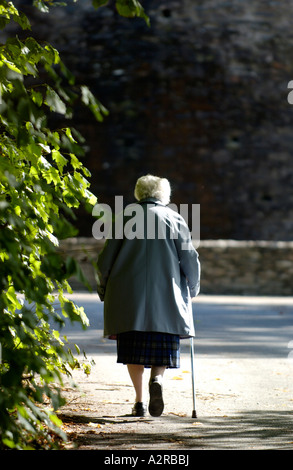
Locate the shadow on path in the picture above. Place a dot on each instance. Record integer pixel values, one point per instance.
(255, 430)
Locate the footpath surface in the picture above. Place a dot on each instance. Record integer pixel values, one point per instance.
(243, 374)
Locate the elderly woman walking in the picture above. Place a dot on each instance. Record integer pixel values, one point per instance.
(146, 280)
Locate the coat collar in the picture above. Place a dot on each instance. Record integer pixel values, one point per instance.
(150, 200)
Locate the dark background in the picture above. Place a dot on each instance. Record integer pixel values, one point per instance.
(200, 98)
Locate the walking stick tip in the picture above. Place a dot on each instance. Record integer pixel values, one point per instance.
(194, 415)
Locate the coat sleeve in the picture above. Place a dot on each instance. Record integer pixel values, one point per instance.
(105, 262)
(188, 258)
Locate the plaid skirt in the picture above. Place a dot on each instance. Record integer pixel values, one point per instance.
(149, 349)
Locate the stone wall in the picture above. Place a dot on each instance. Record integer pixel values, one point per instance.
(229, 267)
(199, 97)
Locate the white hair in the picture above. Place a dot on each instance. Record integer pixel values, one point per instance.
(153, 186)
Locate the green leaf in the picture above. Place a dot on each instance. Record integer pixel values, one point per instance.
(52, 176)
(11, 295)
(9, 64)
(41, 6)
(54, 101)
(131, 8)
(94, 105)
(37, 97)
(59, 159)
(51, 54)
(3, 22)
(55, 420)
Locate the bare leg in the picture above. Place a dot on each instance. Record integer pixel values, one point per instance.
(136, 374)
(157, 370)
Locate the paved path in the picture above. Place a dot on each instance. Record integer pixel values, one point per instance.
(243, 382)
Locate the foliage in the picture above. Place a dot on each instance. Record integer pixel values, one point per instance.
(42, 181)
(128, 8)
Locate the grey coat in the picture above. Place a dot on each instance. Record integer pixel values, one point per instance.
(147, 283)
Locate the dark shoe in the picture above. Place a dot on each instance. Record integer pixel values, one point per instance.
(139, 409)
(156, 404)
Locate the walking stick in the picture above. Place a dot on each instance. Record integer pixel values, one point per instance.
(192, 376)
